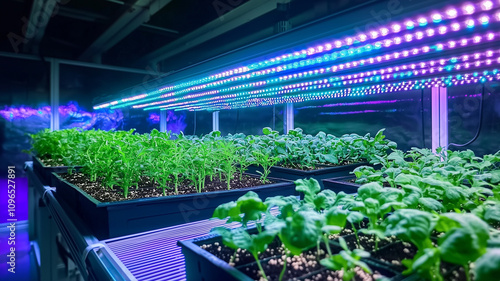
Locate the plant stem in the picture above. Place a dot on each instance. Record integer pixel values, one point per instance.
(356, 234)
(232, 257)
(260, 266)
(284, 267)
(467, 271)
(327, 244)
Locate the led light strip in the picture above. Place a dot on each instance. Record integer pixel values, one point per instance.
(405, 86)
(409, 37)
(304, 89)
(374, 76)
(451, 44)
(449, 14)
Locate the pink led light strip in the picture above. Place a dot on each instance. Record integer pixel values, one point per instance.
(467, 9)
(422, 68)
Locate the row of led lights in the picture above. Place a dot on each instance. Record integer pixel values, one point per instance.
(418, 35)
(407, 70)
(374, 60)
(405, 86)
(306, 63)
(451, 13)
(267, 93)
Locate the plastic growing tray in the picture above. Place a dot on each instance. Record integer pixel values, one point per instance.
(325, 172)
(45, 173)
(113, 219)
(203, 266)
(340, 184)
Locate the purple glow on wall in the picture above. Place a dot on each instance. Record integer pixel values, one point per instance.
(71, 116)
(356, 112)
(175, 122)
(154, 118)
(23, 112)
(353, 103)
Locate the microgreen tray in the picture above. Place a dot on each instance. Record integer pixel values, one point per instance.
(114, 219)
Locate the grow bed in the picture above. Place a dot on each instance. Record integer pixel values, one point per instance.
(117, 218)
(321, 172)
(207, 259)
(45, 172)
(345, 184)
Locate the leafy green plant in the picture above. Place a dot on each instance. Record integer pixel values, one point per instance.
(374, 202)
(416, 227)
(347, 261)
(266, 162)
(465, 239)
(486, 267)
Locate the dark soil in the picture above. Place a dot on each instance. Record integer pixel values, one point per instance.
(146, 188)
(350, 180)
(329, 275)
(306, 266)
(368, 242)
(52, 162)
(242, 256)
(317, 167)
(394, 253)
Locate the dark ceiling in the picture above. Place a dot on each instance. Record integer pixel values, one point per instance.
(137, 33)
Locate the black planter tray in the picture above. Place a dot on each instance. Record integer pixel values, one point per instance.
(325, 172)
(203, 266)
(340, 184)
(45, 173)
(114, 219)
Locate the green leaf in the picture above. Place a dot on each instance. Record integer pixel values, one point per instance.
(431, 204)
(487, 267)
(301, 231)
(355, 217)
(227, 237)
(251, 206)
(229, 209)
(465, 237)
(325, 199)
(336, 217)
(267, 131)
(370, 190)
(310, 187)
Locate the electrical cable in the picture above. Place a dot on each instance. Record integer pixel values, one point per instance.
(478, 127)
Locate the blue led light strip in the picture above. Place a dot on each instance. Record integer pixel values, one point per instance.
(350, 92)
(421, 22)
(320, 72)
(429, 68)
(407, 38)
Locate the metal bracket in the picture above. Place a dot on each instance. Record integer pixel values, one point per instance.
(47, 188)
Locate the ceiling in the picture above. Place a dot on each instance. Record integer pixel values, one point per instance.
(171, 34)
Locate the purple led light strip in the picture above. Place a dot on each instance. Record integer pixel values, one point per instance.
(353, 79)
(374, 89)
(451, 44)
(374, 34)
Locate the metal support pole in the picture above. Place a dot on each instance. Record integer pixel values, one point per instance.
(54, 94)
(439, 108)
(215, 121)
(288, 124)
(163, 121)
